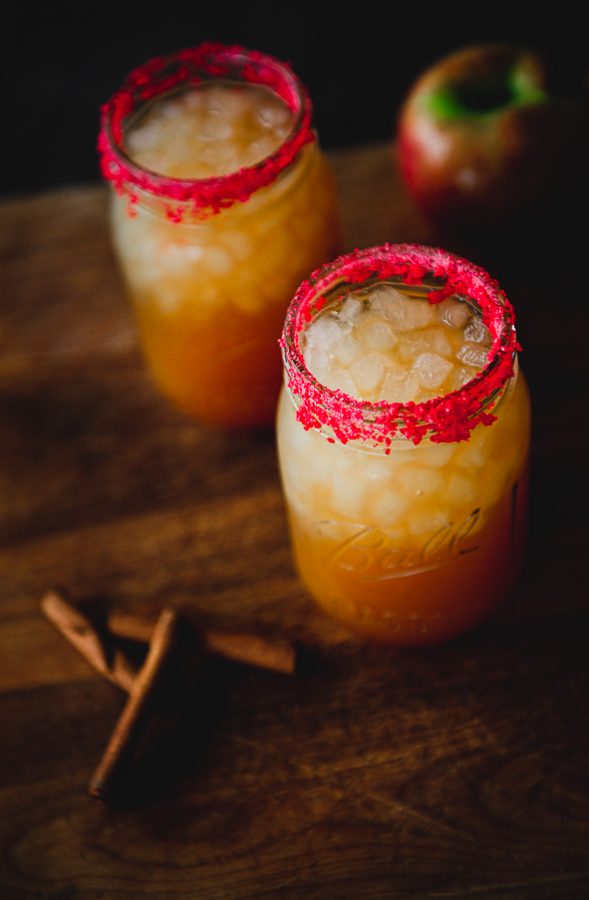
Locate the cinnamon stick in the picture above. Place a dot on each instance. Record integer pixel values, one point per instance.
(79, 631)
(278, 655)
(133, 626)
(126, 729)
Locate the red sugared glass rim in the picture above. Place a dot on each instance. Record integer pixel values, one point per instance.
(450, 417)
(196, 65)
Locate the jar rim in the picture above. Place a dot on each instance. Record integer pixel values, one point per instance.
(194, 65)
(448, 418)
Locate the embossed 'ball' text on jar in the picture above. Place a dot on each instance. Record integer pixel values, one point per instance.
(222, 203)
(407, 518)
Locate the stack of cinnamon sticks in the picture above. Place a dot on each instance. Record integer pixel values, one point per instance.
(105, 652)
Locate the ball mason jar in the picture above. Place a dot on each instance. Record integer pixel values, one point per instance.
(211, 263)
(407, 519)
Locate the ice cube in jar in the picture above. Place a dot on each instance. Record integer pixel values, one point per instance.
(397, 347)
(209, 130)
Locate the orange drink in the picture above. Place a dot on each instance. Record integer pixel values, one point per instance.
(222, 202)
(403, 436)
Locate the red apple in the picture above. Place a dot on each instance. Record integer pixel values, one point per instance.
(482, 139)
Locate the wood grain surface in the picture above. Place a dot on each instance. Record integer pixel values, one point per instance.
(447, 773)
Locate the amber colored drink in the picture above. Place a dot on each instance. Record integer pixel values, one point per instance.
(223, 202)
(405, 542)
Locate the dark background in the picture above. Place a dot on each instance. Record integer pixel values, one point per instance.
(358, 62)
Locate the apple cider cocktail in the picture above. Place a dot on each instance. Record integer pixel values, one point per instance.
(403, 433)
(222, 203)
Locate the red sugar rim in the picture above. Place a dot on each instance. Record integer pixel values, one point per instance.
(450, 417)
(194, 65)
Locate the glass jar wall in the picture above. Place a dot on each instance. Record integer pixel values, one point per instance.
(215, 229)
(407, 519)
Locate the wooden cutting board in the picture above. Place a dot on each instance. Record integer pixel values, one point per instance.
(454, 772)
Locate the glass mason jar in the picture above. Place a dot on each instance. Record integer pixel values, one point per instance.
(407, 519)
(211, 262)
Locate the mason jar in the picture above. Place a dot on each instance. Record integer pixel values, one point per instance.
(407, 518)
(221, 202)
